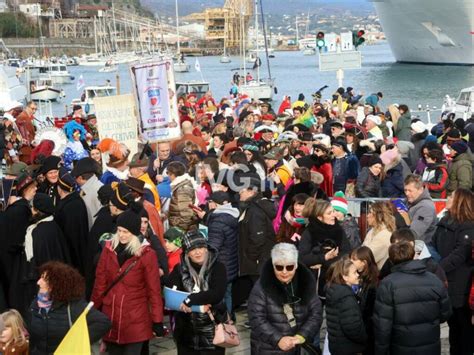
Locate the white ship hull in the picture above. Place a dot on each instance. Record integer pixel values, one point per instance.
(258, 90)
(429, 31)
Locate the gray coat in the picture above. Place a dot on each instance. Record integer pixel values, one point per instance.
(422, 214)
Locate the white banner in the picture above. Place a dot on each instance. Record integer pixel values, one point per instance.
(155, 92)
(116, 119)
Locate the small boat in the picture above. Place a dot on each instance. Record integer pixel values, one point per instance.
(57, 72)
(43, 90)
(258, 90)
(192, 87)
(91, 92)
(10, 87)
(309, 51)
(181, 67)
(109, 67)
(225, 59)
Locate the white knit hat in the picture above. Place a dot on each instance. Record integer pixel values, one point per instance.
(374, 119)
(418, 127)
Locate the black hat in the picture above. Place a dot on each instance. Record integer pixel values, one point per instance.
(307, 137)
(66, 181)
(139, 160)
(336, 124)
(23, 181)
(250, 180)
(131, 221)
(43, 203)
(341, 143)
(50, 163)
(104, 194)
(136, 185)
(375, 159)
(454, 133)
(349, 89)
(84, 166)
(219, 197)
(122, 196)
(340, 90)
(301, 97)
(76, 107)
(459, 147)
(192, 240)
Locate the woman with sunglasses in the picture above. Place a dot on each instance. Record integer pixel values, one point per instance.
(284, 311)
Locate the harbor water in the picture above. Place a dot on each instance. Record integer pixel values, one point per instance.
(295, 73)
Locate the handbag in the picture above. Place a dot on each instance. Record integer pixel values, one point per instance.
(225, 334)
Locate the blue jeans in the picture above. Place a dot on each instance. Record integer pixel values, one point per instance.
(228, 298)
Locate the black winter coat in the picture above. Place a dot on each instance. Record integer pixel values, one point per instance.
(316, 235)
(223, 235)
(346, 330)
(410, 305)
(196, 330)
(392, 185)
(453, 242)
(47, 330)
(256, 234)
(48, 244)
(368, 185)
(71, 216)
(267, 319)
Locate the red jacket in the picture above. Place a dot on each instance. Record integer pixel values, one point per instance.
(134, 303)
(174, 258)
(327, 184)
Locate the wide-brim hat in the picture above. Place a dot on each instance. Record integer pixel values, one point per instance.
(85, 166)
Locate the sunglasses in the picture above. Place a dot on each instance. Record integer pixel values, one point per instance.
(288, 268)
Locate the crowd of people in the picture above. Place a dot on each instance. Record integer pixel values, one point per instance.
(334, 205)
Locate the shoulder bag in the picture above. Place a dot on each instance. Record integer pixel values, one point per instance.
(225, 335)
(119, 278)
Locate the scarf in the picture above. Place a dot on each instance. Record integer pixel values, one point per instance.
(121, 175)
(195, 282)
(44, 301)
(295, 221)
(29, 237)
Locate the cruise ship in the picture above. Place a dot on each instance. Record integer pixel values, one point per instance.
(429, 31)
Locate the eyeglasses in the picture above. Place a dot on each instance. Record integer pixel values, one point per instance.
(288, 268)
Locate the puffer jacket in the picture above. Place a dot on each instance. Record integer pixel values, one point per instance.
(392, 185)
(409, 307)
(267, 318)
(346, 330)
(134, 303)
(460, 172)
(182, 195)
(223, 235)
(453, 241)
(368, 185)
(435, 178)
(48, 330)
(423, 218)
(256, 234)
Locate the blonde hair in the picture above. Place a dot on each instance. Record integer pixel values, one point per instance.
(12, 319)
(383, 216)
(134, 247)
(315, 208)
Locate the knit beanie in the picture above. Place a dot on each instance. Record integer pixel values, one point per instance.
(131, 221)
(175, 235)
(192, 240)
(339, 202)
(375, 159)
(459, 147)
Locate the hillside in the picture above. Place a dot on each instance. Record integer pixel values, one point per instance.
(278, 7)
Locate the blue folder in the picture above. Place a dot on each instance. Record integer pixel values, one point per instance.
(174, 298)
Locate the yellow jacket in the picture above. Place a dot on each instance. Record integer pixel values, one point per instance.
(151, 186)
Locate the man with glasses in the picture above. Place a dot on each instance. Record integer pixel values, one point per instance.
(24, 122)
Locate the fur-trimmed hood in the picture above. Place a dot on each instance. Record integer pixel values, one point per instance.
(303, 282)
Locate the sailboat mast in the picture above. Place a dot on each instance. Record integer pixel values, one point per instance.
(244, 39)
(256, 41)
(177, 26)
(265, 41)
